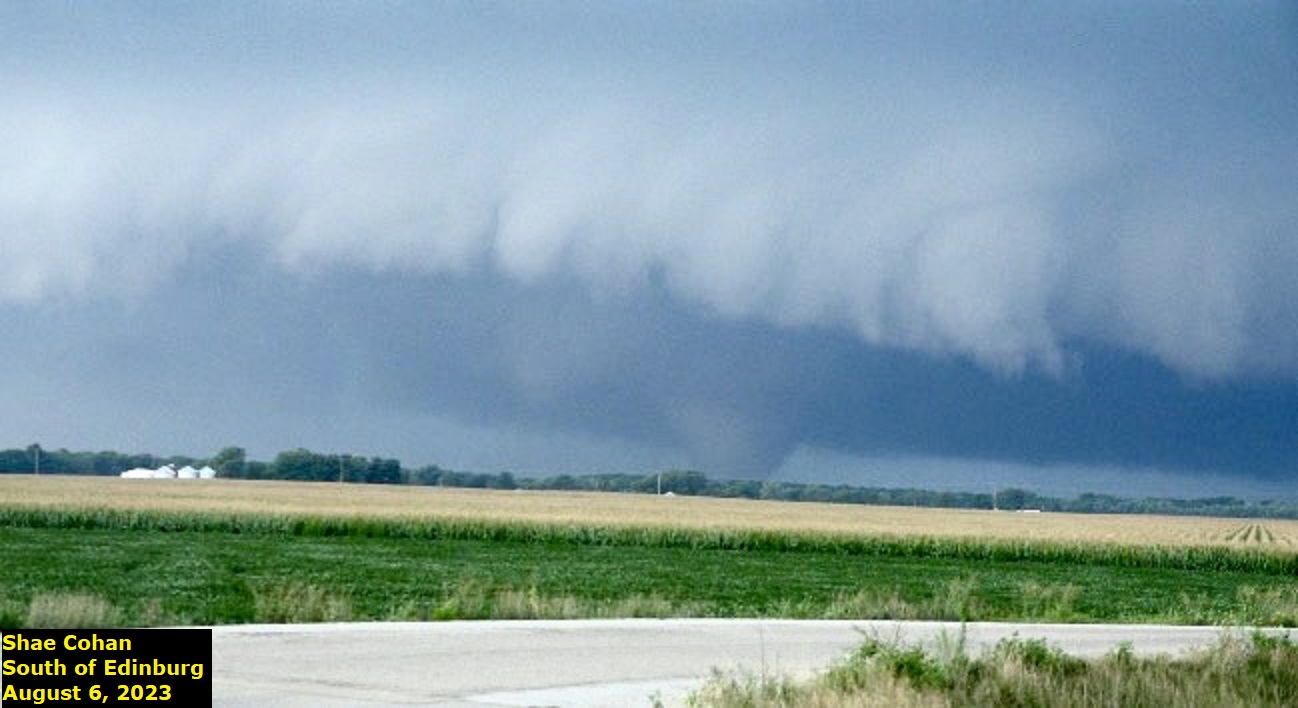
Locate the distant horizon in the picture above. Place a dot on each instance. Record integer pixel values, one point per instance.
(897, 473)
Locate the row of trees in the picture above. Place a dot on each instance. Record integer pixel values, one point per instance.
(301, 465)
(34, 459)
(305, 465)
(689, 482)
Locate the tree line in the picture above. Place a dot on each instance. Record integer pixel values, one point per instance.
(299, 465)
(305, 465)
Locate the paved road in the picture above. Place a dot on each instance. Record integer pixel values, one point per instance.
(580, 663)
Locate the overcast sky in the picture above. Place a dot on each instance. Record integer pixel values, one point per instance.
(949, 244)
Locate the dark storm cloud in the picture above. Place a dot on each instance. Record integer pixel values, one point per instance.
(237, 352)
(1004, 233)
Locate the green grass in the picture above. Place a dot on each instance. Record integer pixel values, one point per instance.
(1261, 671)
(158, 569)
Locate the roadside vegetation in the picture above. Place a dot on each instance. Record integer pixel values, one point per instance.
(1239, 671)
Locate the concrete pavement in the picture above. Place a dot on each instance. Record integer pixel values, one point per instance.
(582, 663)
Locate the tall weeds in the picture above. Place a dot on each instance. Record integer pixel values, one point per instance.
(1261, 671)
(70, 610)
(297, 602)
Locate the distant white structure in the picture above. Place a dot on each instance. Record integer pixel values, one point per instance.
(169, 472)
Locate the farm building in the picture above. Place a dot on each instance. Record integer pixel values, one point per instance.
(169, 472)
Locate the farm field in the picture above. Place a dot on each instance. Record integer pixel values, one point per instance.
(634, 510)
(141, 552)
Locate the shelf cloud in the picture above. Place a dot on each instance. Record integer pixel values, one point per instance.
(1014, 189)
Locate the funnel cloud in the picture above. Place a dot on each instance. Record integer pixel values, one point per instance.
(578, 239)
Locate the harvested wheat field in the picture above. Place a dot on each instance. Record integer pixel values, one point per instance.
(227, 497)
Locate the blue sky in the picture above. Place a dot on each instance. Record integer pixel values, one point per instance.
(969, 245)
